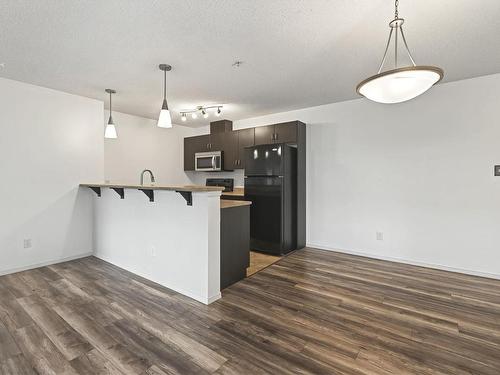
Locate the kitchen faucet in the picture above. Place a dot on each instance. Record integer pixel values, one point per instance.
(142, 176)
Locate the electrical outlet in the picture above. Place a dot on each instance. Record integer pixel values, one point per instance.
(497, 170)
(380, 236)
(27, 243)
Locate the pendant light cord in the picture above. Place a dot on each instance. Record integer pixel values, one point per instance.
(110, 105)
(164, 85)
(396, 13)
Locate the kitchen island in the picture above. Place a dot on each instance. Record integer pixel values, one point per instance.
(167, 234)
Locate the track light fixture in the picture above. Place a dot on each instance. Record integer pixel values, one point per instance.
(204, 110)
(110, 131)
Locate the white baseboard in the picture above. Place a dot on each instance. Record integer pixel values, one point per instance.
(406, 261)
(214, 298)
(46, 263)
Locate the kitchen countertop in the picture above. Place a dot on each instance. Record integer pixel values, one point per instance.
(190, 188)
(224, 203)
(237, 191)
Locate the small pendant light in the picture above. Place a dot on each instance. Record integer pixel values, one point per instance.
(110, 131)
(165, 121)
(399, 84)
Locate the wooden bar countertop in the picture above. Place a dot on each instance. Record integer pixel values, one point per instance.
(225, 203)
(237, 192)
(191, 188)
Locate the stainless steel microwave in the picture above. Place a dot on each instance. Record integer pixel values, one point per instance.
(208, 161)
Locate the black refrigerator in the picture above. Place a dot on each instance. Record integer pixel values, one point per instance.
(271, 186)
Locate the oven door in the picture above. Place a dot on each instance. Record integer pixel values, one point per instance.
(208, 161)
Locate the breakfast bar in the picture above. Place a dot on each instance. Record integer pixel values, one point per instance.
(167, 234)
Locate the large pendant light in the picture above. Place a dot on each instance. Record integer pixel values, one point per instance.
(165, 121)
(401, 83)
(110, 131)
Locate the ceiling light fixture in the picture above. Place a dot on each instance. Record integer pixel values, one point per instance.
(204, 110)
(399, 84)
(110, 131)
(165, 121)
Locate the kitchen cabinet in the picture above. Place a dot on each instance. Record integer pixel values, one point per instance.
(285, 132)
(230, 148)
(264, 135)
(233, 142)
(246, 138)
(279, 133)
(234, 244)
(193, 145)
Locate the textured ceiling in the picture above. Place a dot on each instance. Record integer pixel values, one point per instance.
(296, 53)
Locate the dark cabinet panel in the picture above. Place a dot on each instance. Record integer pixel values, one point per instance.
(286, 132)
(217, 142)
(264, 135)
(279, 133)
(246, 138)
(230, 148)
(234, 244)
(193, 145)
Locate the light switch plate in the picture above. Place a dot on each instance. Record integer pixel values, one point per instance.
(497, 170)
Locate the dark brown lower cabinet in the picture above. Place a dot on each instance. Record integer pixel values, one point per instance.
(234, 244)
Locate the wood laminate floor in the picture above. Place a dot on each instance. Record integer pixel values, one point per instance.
(259, 261)
(313, 312)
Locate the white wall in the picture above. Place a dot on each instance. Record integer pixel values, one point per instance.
(421, 172)
(142, 145)
(50, 142)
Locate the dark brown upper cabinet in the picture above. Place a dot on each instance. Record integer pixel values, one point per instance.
(193, 145)
(264, 135)
(285, 132)
(230, 150)
(233, 142)
(246, 138)
(226, 142)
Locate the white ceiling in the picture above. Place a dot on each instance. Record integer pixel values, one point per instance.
(296, 53)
